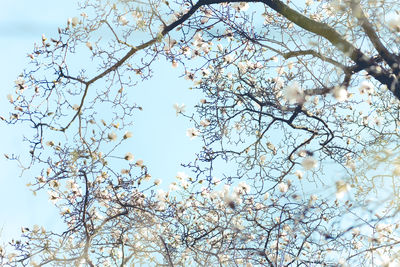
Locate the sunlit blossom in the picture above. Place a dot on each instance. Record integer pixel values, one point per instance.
(309, 163)
(294, 93)
(179, 108)
(341, 189)
(112, 136)
(192, 133)
(283, 187)
(340, 93)
(129, 156)
(127, 135)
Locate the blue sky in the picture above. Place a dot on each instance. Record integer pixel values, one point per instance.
(159, 136)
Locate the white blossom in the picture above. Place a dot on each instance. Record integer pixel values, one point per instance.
(129, 156)
(309, 163)
(179, 108)
(112, 136)
(340, 93)
(294, 93)
(192, 133)
(283, 187)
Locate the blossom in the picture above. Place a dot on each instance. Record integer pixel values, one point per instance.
(161, 195)
(129, 156)
(71, 185)
(74, 21)
(157, 181)
(283, 187)
(139, 163)
(192, 133)
(19, 81)
(89, 45)
(205, 123)
(309, 163)
(242, 188)
(10, 98)
(262, 159)
(242, 6)
(123, 20)
(173, 187)
(299, 174)
(228, 58)
(366, 87)
(112, 136)
(294, 93)
(242, 67)
(181, 176)
(127, 135)
(53, 196)
(340, 93)
(341, 189)
(179, 108)
(394, 23)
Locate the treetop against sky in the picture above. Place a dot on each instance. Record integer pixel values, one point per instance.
(289, 141)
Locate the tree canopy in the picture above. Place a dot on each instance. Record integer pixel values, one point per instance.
(293, 94)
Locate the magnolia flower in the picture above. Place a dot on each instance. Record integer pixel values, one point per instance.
(341, 189)
(181, 176)
(309, 163)
(127, 135)
(74, 21)
(89, 45)
(366, 87)
(19, 81)
(192, 133)
(123, 20)
(299, 174)
(242, 67)
(174, 63)
(10, 98)
(173, 187)
(271, 147)
(294, 93)
(266, 196)
(394, 23)
(139, 163)
(161, 195)
(112, 136)
(124, 171)
(205, 123)
(54, 183)
(71, 185)
(242, 6)
(228, 58)
(262, 159)
(129, 156)
(283, 187)
(179, 108)
(157, 181)
(340, 93)
(53, 196)
(313, 198)
(245, 187)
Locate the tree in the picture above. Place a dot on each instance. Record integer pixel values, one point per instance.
(292, 93)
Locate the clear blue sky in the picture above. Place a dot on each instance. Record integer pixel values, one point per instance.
(22, 23)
